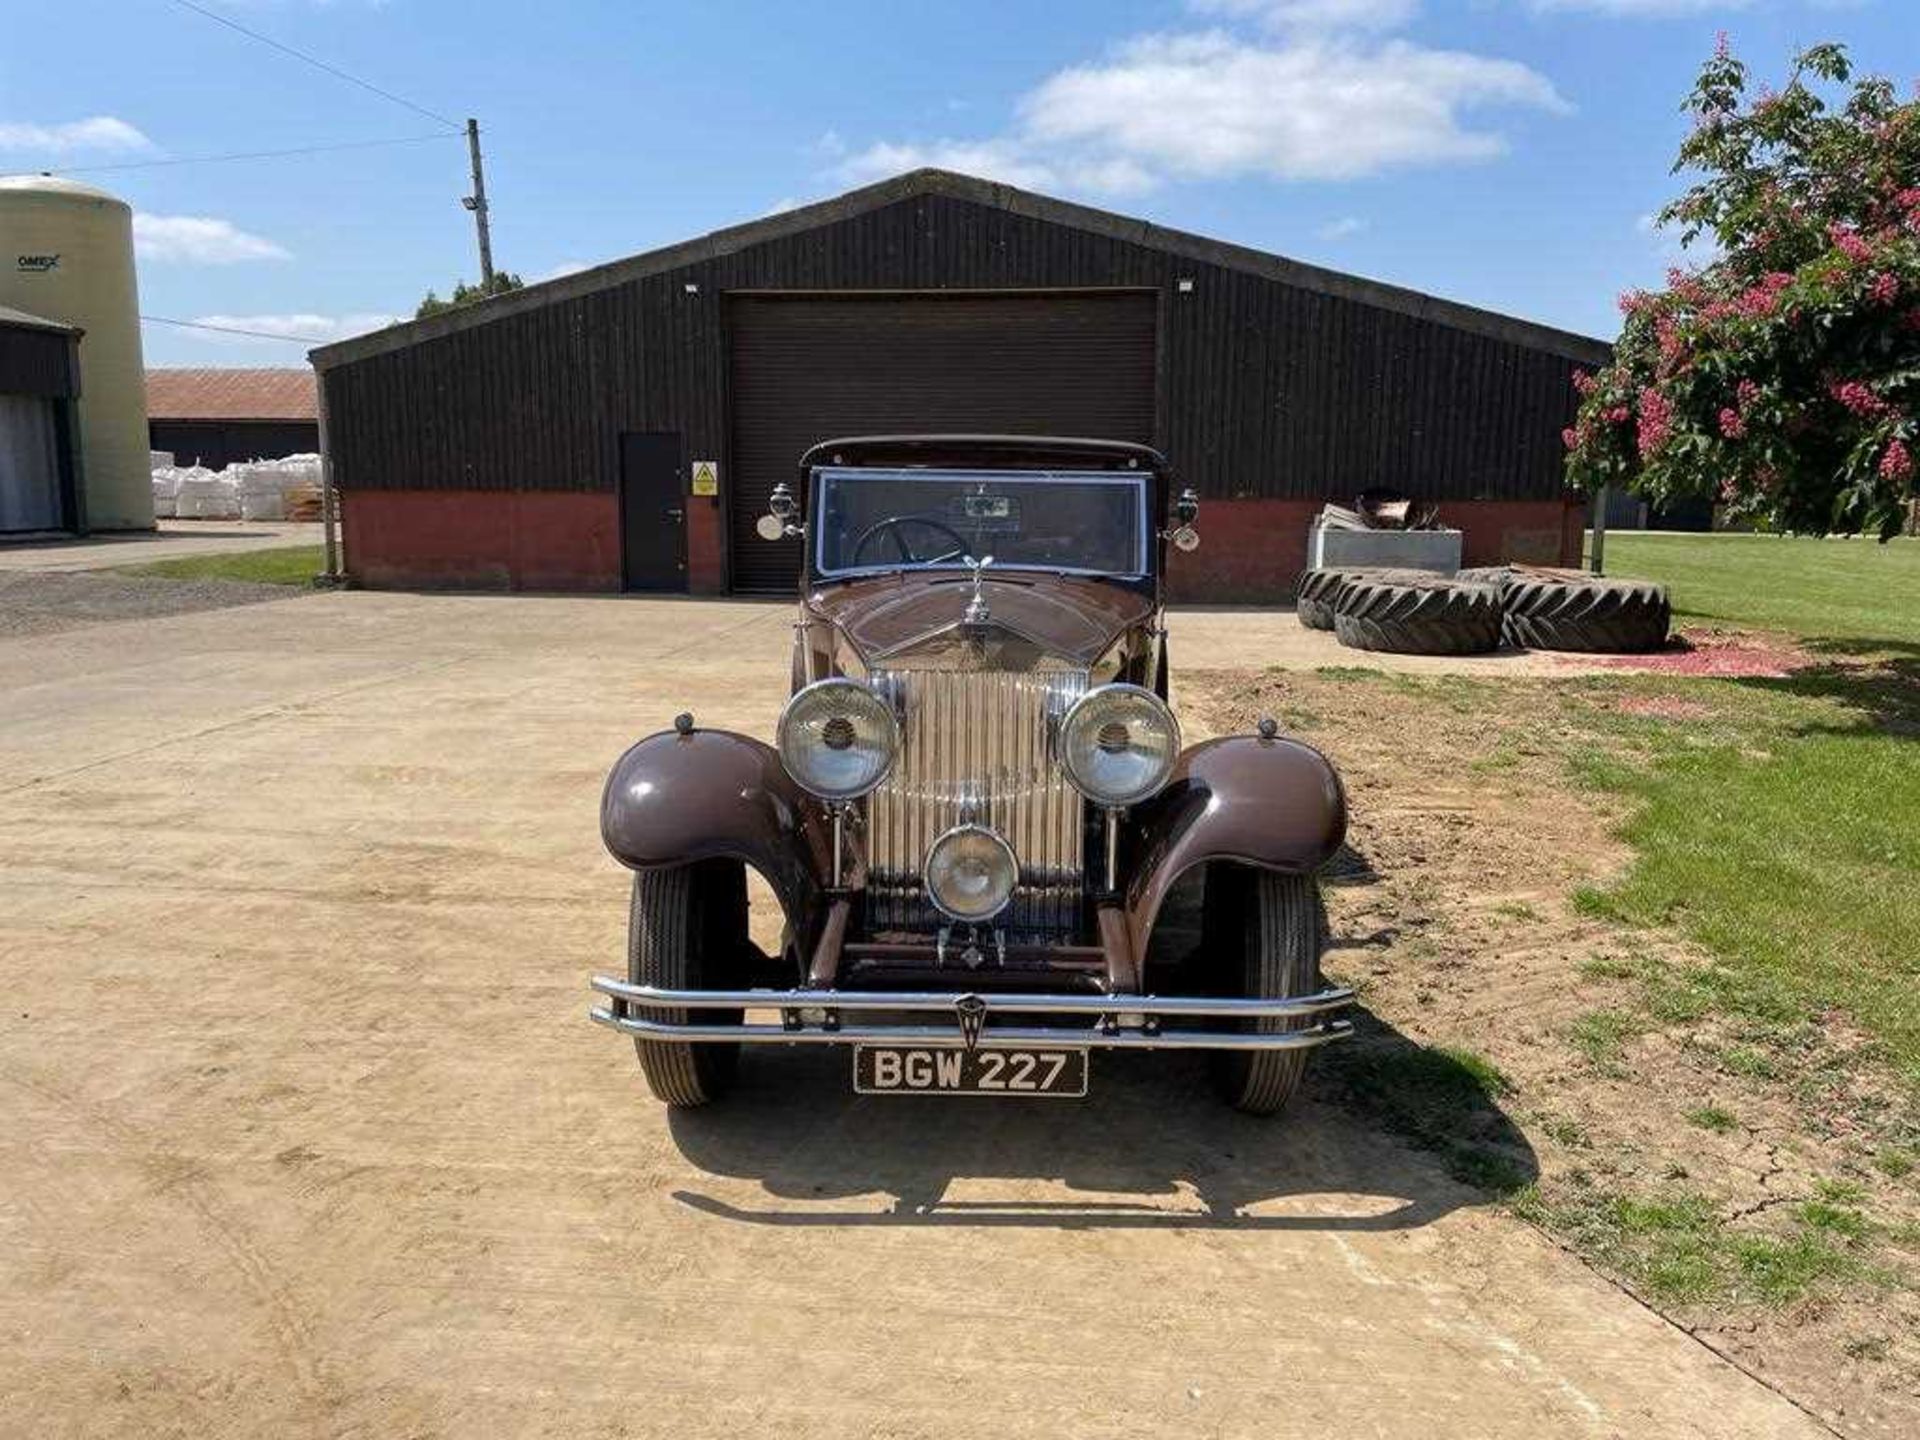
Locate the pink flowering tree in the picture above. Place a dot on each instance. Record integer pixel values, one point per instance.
(1782, 376)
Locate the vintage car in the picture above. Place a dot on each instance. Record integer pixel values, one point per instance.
(978, 806)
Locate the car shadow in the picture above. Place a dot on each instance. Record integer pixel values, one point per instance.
(1149, 1148)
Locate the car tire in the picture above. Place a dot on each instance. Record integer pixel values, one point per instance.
(687, 928)
(1418, 615)
(1314, 595)
(1267, 933)
(1589, 614)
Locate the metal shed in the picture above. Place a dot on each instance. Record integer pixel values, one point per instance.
(548, 438)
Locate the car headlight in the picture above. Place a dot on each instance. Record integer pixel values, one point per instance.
(1118, 744)
(971, 873)
(838, 739)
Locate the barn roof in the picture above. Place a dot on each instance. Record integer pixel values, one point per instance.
(213, 394)
(916, 183)
(14, 319)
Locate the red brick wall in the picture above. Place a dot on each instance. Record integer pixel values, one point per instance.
(482, 539)
(1251, 551)
(706, 545)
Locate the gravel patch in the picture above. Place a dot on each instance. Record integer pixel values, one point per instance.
(47, 603)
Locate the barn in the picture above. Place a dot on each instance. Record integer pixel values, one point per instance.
(40, 478)
(222, 417)
(621, 428)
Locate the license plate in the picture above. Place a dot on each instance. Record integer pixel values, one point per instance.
(903, 1070)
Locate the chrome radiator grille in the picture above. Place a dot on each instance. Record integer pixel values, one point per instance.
(975, 747)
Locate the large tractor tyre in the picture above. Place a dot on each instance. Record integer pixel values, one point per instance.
(1503, 577)
(1418, 615)
(1615, 617)
(1265, 933)
(687, 930)
(1498, 576)
(1313, 597)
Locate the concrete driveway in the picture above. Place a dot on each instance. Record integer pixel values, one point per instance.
(172, 540)
(303, 1130)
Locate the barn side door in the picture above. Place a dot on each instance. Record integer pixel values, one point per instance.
(653, 513)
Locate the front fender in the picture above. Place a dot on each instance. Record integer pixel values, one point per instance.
(1276, 804)
(675, 798)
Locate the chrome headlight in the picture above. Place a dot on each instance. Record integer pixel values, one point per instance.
(971, 873)
(1118, 744)
(838, 739)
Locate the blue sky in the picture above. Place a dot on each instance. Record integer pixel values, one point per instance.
(1500, 152)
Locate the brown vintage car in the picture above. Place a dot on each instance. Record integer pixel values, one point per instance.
(978, 810)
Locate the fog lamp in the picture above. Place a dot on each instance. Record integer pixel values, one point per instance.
(971, 873)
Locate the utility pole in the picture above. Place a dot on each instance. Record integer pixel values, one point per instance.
(477, 203)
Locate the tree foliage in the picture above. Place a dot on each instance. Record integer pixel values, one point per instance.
(465, 294)
(1781, 376)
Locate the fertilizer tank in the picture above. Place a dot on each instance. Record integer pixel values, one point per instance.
(66, 253)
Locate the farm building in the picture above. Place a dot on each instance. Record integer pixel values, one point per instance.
(39, 390)
(218, 418)
(622, 428)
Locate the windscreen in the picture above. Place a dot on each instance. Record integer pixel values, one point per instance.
(1042, 520)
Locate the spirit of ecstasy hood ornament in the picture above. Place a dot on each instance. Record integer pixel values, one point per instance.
(976, 612)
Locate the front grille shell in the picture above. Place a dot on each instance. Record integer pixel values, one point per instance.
(977, 746)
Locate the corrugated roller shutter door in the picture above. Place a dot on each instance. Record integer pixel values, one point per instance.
(807, 369)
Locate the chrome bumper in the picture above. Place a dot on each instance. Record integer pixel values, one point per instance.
(1119, 1022)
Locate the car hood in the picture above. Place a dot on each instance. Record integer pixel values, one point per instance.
(1074, 618)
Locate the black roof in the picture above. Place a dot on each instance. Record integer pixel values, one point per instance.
(20, 320)
(983, 192)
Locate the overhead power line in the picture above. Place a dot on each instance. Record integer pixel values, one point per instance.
(235, 330)
(249, 154)
(317, 64)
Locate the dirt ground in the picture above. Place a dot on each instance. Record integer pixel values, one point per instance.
(303, 1131)
(1455, 920)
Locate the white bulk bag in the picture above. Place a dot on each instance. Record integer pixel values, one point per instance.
(205, 496)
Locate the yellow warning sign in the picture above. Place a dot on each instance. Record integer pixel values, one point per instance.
(706, 477)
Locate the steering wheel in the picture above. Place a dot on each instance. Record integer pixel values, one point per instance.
(894, 525)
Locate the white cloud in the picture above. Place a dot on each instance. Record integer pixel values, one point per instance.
(1314, 14)
(199, 240)
(96, 132)
(1637, 8)
(1343, 227)
(994, 159)
(1213, 106)
(560, 271)
(294, 328)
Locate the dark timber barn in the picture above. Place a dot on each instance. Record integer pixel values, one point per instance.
(554, 438)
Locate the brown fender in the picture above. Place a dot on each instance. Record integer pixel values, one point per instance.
(675, 798)
(1272, 803)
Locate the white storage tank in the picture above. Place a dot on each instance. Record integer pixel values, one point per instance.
(66, 253)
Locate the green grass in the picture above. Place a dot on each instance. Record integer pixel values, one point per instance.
(1680, 1249)
(292, 565)
(1785, 838)
(1712, 1117)
(1849, 594)
(1600, 1034)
